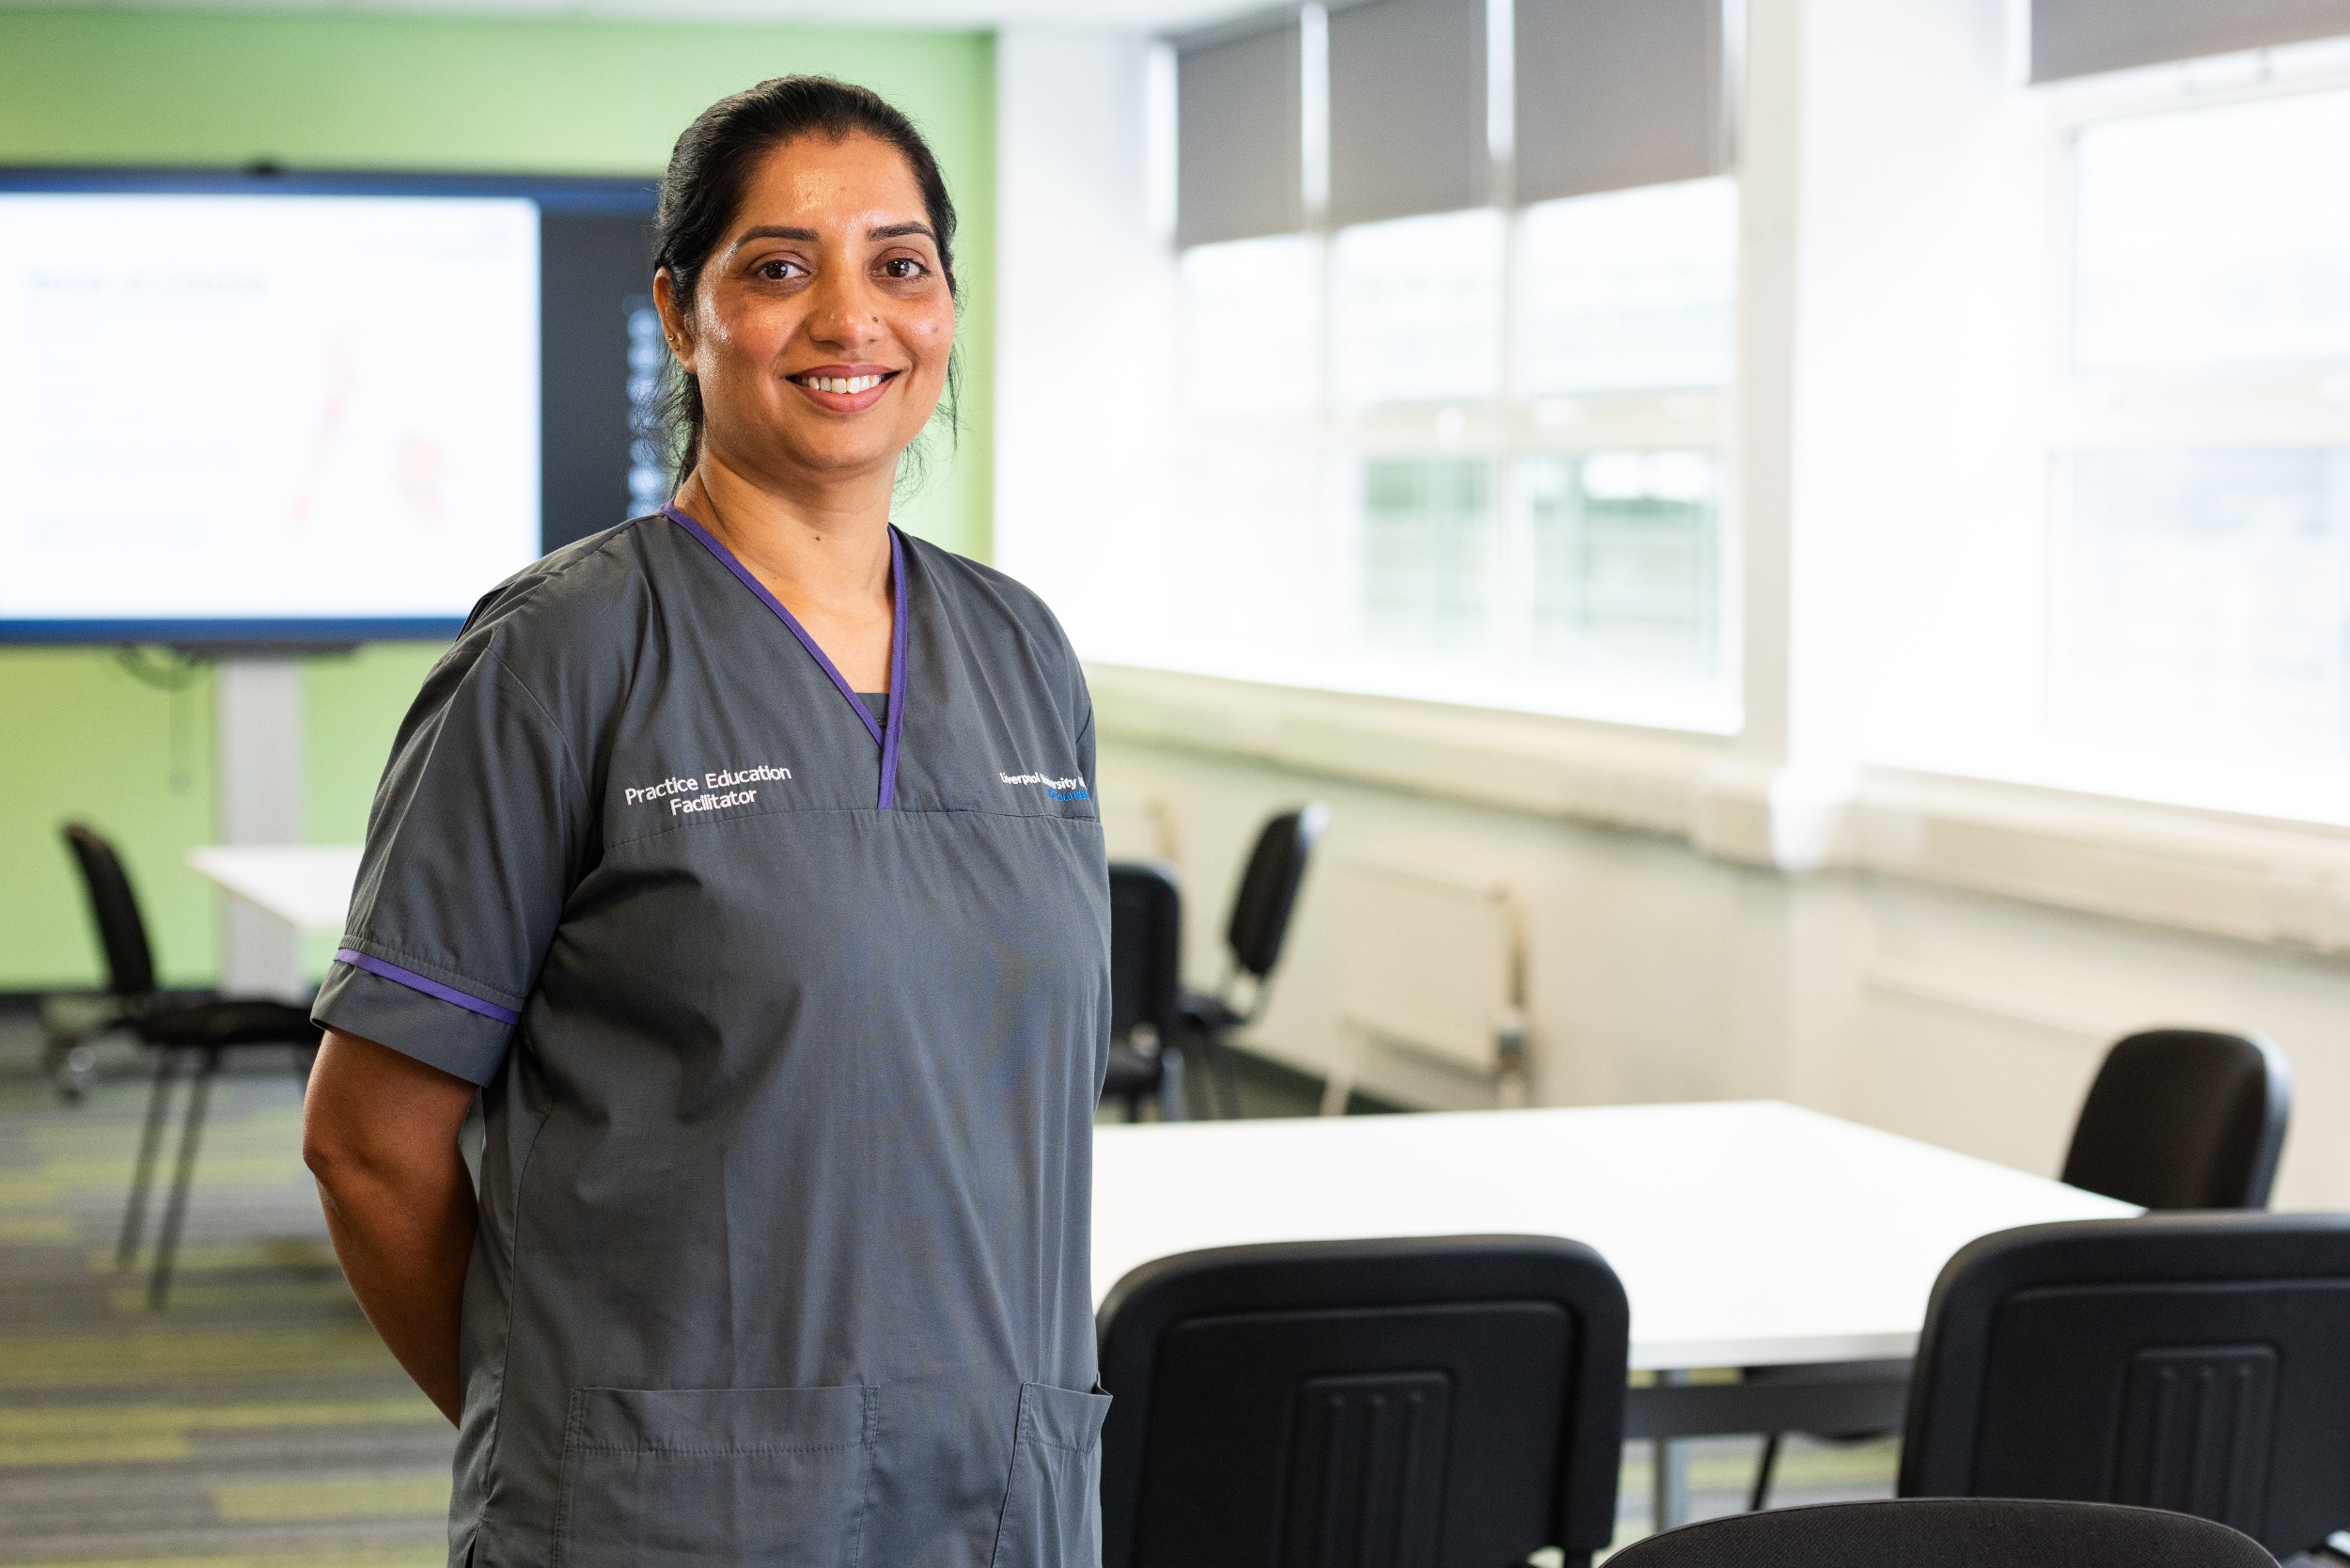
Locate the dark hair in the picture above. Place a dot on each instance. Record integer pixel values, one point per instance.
(702, 191)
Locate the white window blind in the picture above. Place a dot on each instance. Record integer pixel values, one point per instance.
(1408, 109)
(1238, 128)
(2078, 38)
(1613, 94)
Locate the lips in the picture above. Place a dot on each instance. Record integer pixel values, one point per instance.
(844, 389)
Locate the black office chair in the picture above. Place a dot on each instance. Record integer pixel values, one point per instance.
(2176, 1118)
(196, 1028)
(2197, 1362)
(1363, 1405)
(2184, 1119)
(1948, 1532)
(1146, 985)
(1255, 934)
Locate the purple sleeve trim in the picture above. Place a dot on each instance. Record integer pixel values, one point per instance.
(886, 740)
(433, 988)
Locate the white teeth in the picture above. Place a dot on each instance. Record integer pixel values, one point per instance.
(851, 385)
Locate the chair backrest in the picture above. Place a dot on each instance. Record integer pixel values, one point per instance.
(1146, 949)
(2193, 1362)
(1363, 1405)
(2184, 1119)
(1268, 887)
(1948, 1532)
(115, 909)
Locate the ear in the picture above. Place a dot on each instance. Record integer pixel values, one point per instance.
(675, 325)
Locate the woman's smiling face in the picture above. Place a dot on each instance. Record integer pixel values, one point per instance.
(820, 327)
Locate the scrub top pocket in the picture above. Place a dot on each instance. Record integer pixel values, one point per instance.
(762, 1478)
(1052, 1510)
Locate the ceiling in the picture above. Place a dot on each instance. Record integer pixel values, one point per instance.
(1137, 15)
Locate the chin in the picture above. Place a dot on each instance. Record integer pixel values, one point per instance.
(844, 458)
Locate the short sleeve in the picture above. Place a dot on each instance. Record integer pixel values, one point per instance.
(473, 845)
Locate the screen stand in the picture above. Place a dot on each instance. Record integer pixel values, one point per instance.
(262, 774)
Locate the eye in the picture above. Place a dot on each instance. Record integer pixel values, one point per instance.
(781, 270)
(903, 268)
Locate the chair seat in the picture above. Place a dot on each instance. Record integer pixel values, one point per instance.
(1210, 1014)
(1130, 1073)
(229, 1020)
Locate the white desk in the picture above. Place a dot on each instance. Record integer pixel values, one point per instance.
(305, 888)
(1745, 1234)
(1753, 1235)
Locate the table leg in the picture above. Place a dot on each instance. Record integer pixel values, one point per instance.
(260, 750)
(1669, 1473)
(1841, 1396)
(1340, 1087)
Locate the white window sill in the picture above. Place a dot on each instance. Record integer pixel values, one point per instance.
(2270, 880)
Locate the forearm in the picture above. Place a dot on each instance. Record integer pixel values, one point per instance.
(380, 1133)
(404, 1247)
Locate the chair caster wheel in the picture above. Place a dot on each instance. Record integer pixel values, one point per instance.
(76, 1066)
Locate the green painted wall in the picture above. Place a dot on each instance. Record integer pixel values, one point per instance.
(79, 736)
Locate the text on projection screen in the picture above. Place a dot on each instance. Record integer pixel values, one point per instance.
(265, 407)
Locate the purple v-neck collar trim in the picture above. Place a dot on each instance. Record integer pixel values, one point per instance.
(887, 738)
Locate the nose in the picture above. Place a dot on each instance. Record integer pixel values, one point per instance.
(845, 311)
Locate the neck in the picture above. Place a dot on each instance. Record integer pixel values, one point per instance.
(826, 546)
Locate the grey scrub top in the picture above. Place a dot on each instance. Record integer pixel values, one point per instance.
(789, 1025)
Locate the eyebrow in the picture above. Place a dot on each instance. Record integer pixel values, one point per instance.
(809, 236)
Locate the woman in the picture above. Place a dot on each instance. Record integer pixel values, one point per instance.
(744, 859)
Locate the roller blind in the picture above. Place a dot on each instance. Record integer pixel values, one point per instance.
(1237, 159)
(1408, 109)
(2076, 38)
(1617, 93)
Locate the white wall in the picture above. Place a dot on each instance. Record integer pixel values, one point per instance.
(1084, 324)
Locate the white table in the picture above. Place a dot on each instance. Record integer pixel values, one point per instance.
(304, 888)
(1752, 1234)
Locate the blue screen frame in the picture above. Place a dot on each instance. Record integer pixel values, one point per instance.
(555, 195)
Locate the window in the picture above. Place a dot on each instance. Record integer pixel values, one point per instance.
(1416, 317)
(2199, 558)
(1427, 550)
(2206, 595)
(1482, 453)
(1626, 560)
(1252, 316)
(1629, 292)
(2214, 238)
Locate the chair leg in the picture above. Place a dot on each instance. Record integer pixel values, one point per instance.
(176, 1212)
(1224, 1083)
(1760, 1498)
(1668, 1483)
(134, 1213)
(1173, 1106)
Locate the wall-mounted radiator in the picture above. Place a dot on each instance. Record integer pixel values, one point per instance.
(1431, 963)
